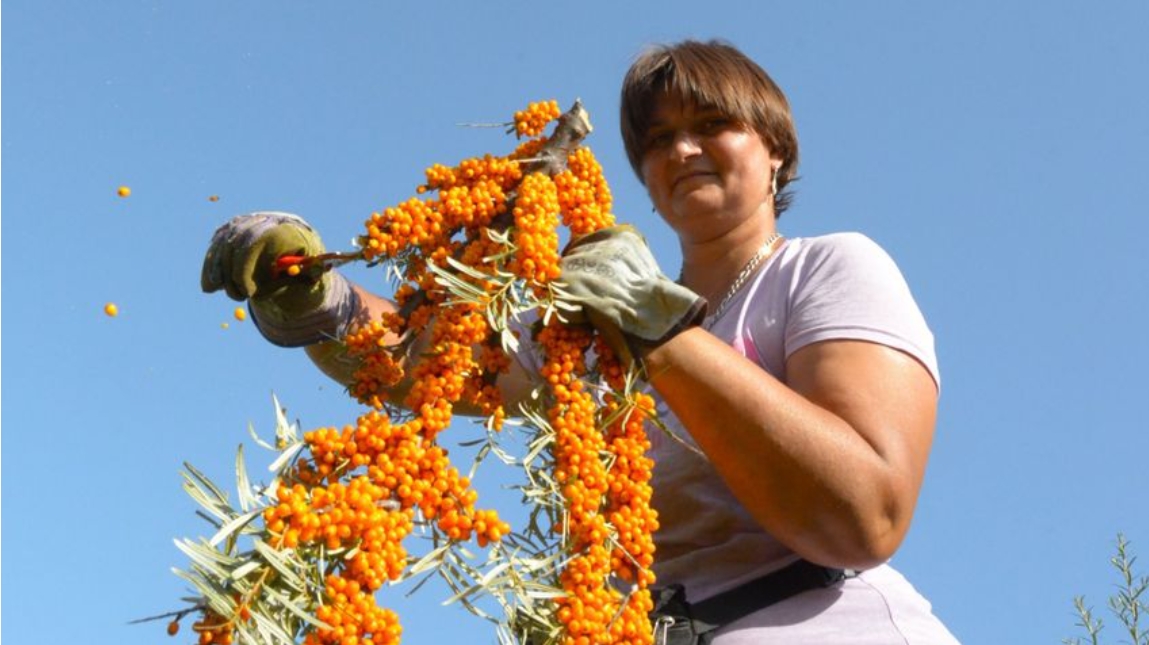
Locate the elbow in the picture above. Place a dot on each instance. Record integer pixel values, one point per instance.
(860, 551)
(864, 542)
(875, 526)
(874, 547)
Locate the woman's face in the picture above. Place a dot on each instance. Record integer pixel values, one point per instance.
(704, 171)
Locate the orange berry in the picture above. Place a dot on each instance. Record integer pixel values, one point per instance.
(240, 314)
(123, 191)
(111, 309)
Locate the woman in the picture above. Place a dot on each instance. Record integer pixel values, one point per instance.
(811, 387)
(806, 396)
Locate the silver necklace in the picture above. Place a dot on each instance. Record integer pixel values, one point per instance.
(744, 275)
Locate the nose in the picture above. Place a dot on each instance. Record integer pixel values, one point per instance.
(685, 144)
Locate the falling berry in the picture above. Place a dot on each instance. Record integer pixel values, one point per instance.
(124, 191)
(111, 309)
(240, 314)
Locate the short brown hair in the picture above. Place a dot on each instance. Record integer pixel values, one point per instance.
(715, 75)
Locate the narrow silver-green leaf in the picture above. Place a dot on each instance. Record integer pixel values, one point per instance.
(186, 575)
(256, 438)
(479, 456)
(283, 428)
(205, 483)
(467, 269)
(291, 606)
(429, 561)
(243, 570)
(206, 499)
(287, 455)
(247, 497)
(207, 518)
(263, 634)
(567, 306)
(493, 572)
(462, 595)
(273, 629)
(233, 525)
(279, 561)
(542, 592)
(542, 443)
(206, 557)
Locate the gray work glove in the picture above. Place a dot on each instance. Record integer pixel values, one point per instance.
(290, 311)
(624, 294)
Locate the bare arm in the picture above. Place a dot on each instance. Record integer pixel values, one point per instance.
(333, 361)
(829, 462)
(330, 357)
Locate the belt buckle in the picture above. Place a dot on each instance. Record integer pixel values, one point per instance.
(673, 630)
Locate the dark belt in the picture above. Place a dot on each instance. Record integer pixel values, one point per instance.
(676, 620)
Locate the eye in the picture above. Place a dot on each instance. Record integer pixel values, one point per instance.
(714, 124)
(658, 139)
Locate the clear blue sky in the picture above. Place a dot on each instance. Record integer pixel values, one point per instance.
(996, 150)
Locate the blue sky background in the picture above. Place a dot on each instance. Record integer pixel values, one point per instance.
(996, 149)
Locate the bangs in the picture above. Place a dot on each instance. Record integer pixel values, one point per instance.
(692, 76)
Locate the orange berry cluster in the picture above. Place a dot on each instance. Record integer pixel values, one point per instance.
(609, 519)
(634, 521)
(628, 499)
(531, 121)
(361, 487)
(536, 230)
(469, 195)
(377, 370)
(212, 629)
(351, 612)
(584, 196)
(358, 494)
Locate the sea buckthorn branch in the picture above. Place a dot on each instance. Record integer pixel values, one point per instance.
(478, 255)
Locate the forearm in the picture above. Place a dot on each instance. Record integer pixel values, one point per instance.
(803, 472)
(331, 356)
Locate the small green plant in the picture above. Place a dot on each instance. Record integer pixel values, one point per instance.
(1126, 603)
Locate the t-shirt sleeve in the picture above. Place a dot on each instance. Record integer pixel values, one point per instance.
(529, 355)
(848, 288)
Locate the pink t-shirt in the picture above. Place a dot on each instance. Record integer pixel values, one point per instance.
(840, 286)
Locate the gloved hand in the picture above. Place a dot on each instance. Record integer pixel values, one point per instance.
(290, 311)
(624, 294)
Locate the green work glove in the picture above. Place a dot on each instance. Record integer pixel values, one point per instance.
(624, 294)
(290, 311)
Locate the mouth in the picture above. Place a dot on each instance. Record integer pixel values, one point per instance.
(687, 176)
